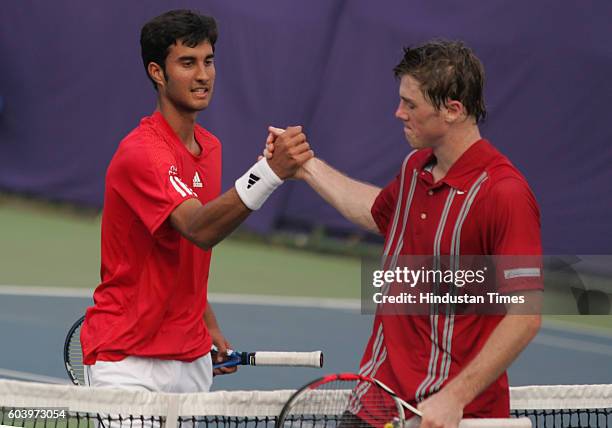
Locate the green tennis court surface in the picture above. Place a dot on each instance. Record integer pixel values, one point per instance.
(43, 246)
(55, 249)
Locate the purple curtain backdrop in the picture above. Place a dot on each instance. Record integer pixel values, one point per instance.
(72, 85)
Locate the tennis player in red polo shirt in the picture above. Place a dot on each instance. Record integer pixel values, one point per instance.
(455, 195)
(151, 326)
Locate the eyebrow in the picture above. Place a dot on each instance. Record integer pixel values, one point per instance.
(193, 58)
(408, 100)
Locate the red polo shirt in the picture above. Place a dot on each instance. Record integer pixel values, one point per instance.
(482, 207)
(152, 297)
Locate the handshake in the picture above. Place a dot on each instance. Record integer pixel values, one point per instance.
(287, 151)
(285, 154)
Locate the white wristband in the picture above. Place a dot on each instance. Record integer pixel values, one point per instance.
(257, 184)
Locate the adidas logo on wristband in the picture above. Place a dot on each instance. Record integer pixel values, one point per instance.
(252, 180)
(266, 180)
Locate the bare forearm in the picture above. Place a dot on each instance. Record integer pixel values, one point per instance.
(210, 319)
(207, 225)
(506, 342)
(352, 198)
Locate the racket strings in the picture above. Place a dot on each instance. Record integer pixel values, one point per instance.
(75, 355)
(342, 403)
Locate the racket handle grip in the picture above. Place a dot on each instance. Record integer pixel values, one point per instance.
(295, 359)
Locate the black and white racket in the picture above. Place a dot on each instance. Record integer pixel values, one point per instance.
(73, 357)
(350, 400)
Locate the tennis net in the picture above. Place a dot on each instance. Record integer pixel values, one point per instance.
(26, 404)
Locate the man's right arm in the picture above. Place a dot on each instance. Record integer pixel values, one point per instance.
(207, 225)
(352, 198)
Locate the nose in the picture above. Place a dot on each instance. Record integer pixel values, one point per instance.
(203, 73)
(400, 112)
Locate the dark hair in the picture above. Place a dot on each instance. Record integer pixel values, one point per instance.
(161, 32)
(446, 70)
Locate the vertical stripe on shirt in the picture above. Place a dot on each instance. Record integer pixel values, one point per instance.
(433, 316)
(455, 250)
(399, 205)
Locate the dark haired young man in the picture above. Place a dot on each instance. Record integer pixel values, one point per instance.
(151, 326)
(455, 195)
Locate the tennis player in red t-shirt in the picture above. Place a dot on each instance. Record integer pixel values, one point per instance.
(151, 326)
(455, 195)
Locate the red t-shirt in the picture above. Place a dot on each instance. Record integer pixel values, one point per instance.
(153, 293)
(482, 207)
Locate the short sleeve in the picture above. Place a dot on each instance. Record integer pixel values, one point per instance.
(146, 177)
(384, 205)
(515, 236)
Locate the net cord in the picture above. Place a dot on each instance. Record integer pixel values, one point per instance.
(18, 394)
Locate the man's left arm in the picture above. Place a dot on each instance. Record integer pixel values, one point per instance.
(218, 340)
(510, 337)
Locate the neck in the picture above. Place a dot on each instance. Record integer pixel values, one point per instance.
(454, 144)
(182, 123)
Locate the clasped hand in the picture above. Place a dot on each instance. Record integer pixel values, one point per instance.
(286, 151)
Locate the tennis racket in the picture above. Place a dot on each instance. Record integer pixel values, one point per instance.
(349, 400)
(73, 357)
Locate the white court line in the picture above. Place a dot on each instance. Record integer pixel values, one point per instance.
(264, 300)
(301, 302)
(238, 299)
(32, 377)
(31, 290)
(306, 302)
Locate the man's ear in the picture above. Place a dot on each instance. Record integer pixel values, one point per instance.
(156, 73)
(453, 111)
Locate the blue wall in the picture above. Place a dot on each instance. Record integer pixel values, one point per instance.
(73, 85)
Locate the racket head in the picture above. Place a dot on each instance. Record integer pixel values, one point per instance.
(343, 400)
(73, 353)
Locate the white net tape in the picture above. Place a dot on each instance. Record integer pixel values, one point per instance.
(16, 394)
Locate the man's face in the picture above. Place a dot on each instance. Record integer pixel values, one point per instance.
(190, 76)
(424, 126)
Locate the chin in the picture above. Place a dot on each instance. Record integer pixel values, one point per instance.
(196, 107)
(412, 143)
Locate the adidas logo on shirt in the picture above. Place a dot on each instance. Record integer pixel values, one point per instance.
(196, 180)
(252, 180)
